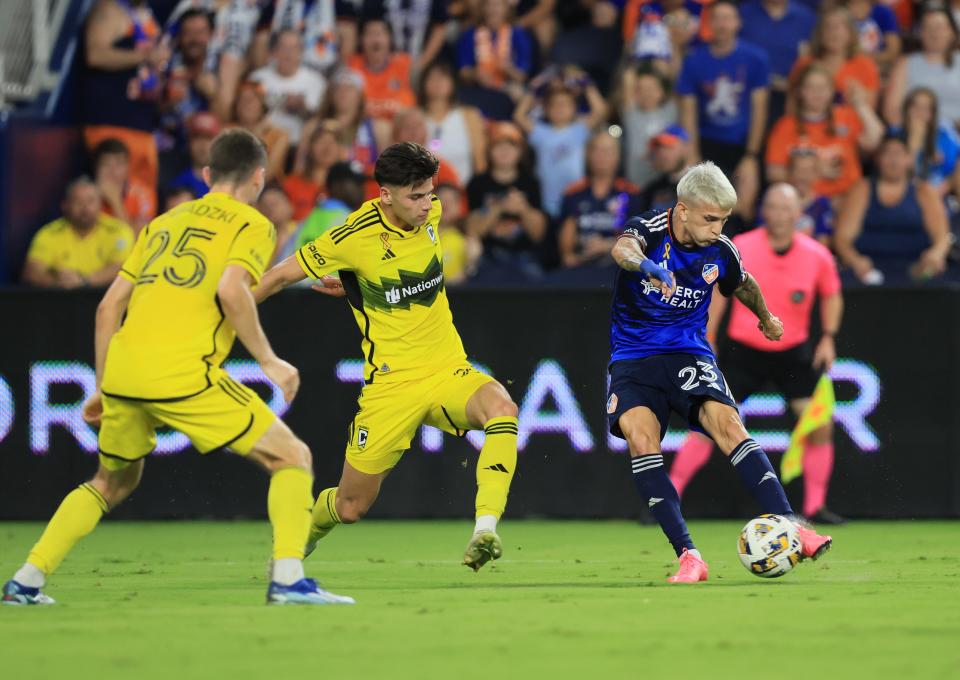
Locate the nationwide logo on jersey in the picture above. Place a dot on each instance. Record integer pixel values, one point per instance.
(411, 288)
(385, 242)
(710, 272)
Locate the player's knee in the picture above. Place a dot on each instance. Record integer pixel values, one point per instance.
(295, 454)
(504, 408)
(643, 443)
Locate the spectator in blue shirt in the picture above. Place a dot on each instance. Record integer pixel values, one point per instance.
(724, 89)
(934, 144)
(560, 139)
(879, 31)
(596, 207)
(780, 28)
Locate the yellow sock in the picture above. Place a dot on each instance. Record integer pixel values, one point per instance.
(498, 461)
(325, 515)
(288, 506)
(76, 517)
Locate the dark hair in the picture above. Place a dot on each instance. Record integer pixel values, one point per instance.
(235, 155)
(367, 21)
(443, 67)
(898, 136)
(193, 14)
(109, 147)
(405, 164)
(929, 153)
(941, 9)
(275, 38)
(645, 69)
(76, 183)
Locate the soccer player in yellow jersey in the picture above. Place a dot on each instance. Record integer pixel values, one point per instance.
(388, 256)
(186, 293)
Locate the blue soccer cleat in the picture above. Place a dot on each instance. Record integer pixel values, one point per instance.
(18, 594)
(304, 591)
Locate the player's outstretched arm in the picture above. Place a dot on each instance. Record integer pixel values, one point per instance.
(284, 273)
(239, 308)
(628, 254)
(750, 295)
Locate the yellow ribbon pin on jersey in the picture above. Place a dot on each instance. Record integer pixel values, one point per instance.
(818, 413)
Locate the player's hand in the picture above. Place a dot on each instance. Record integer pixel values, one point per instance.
(660, 277)
(771, 327)
(825, 354)
(93, 409)
(283, 375)
(329, 285)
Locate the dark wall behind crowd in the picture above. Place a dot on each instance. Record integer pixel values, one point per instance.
(898, 434)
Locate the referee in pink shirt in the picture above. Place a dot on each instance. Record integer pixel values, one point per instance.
(792, 269)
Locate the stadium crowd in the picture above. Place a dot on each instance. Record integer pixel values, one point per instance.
(555, 121)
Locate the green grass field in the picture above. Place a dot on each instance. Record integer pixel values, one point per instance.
(568, 600)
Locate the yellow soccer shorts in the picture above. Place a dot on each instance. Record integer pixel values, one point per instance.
(226, 415)
(390, 413)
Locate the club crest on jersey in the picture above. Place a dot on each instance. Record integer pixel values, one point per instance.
(385, 242)
(431, 233)
(362, 433)
(710, 272)
(612, 403)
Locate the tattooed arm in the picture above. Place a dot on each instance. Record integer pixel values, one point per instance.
(628, 254)
(749, 294)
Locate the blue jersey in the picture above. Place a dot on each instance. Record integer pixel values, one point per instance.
(723, 87)
(643, 322)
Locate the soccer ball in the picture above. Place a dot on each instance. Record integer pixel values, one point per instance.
(769, 546)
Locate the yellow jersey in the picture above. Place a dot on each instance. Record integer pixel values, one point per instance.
(58, 246)
(394, 281)
(175, 336)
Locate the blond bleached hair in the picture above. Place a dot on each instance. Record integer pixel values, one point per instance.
(705, 185)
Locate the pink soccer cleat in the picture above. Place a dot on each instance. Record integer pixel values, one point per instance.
(814, 546)
(692, 569)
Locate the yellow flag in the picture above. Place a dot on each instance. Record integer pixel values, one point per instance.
(818, 413)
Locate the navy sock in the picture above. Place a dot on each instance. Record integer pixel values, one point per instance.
(757, 474)
(661, 497)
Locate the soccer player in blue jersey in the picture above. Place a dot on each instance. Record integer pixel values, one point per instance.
(670, 261)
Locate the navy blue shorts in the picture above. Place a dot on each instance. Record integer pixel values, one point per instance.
(664, 383)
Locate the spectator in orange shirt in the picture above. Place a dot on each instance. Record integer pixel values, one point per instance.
(305, 188)
(386, 73)
(836, 47)
(837, 132)
(124, 197)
